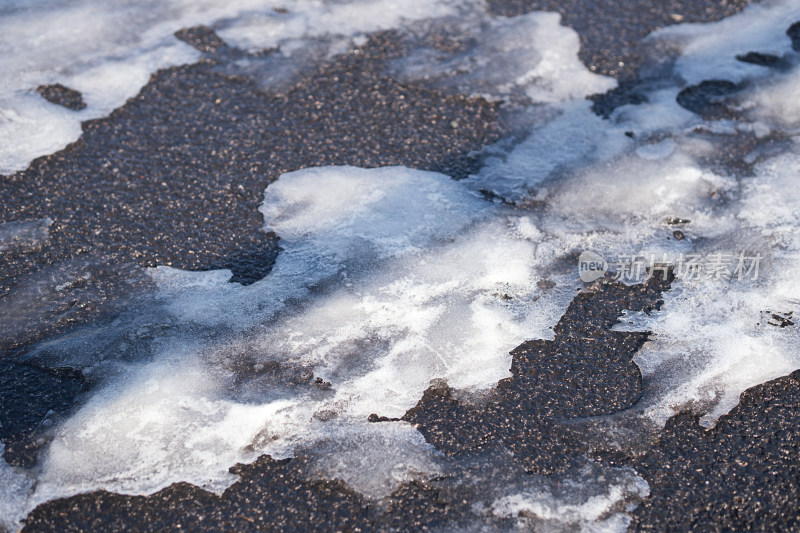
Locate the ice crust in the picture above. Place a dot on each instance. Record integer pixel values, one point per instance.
(584, 503)
(24, 235)
(389, 278)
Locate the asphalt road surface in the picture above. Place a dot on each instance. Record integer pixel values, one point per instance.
(154, 184)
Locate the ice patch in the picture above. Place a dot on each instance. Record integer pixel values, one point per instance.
(599, 513)
(370, 461)
(587, 497)
(154, 405)
(47, 296)
(288, 28)
(388, 278)
(776, 102)
(708, 51)
(572, 140)
(24, 235)
(658, 150)
(17, 485)
(107, 51)
(712, 339)
(531, 55)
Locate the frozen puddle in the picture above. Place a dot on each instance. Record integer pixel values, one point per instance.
(392, 277)
(388, 279)
(24, 235)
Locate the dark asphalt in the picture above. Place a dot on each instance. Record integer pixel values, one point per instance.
(742, 475)
(175, 177)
